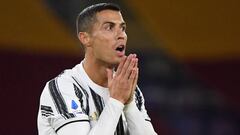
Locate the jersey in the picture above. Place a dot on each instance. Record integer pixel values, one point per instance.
(72, 103)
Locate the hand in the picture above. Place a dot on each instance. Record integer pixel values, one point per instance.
(122, 84)
(134, 86)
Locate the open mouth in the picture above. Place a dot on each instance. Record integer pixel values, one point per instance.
(120, 48)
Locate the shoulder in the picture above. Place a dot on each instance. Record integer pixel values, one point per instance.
(61, 84)
(64, 92)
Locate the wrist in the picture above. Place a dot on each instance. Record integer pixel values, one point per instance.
(122, 102)
(130, 106)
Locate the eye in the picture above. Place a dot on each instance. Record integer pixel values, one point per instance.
(124, 28)
(109, 27)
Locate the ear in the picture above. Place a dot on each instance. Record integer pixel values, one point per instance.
(84, 38)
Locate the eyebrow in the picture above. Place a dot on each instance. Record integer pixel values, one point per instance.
(122, 24)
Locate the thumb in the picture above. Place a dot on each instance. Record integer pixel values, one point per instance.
(109, 74)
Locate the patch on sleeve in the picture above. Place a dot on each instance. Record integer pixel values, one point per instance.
(46, 111)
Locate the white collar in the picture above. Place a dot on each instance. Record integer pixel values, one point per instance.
(82, 75)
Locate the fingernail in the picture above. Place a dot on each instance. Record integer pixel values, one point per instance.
(130, 56)
(136, 59)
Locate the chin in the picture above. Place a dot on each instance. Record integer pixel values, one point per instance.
(115, 63)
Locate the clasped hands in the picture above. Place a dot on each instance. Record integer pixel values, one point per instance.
(123, 83)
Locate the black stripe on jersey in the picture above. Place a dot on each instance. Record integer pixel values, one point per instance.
(98, 101)
(80, 96)
(139, 99)
(46, 114)
(70, 122)
(120, 128)
(58, 99)
(147, 120)
(46, 108)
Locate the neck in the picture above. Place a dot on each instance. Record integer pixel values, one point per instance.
(96, 71)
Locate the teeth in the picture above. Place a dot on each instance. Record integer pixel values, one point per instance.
(120, 48)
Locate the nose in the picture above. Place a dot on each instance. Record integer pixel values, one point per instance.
(121, 35)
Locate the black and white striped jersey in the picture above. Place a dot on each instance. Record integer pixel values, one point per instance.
(72, 104)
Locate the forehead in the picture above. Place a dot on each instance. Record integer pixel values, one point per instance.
(109, 16)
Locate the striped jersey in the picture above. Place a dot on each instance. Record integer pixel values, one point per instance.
(72, 103)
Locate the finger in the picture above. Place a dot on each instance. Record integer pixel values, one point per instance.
(132, 76)
(109, 75)
(126, 64)
(135, 79)
(134, 83)
(136, 63)
(130, 68)
(136, 60)
(137, 70)
(120, 66)
(134, 86)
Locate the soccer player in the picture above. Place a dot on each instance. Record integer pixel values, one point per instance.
(100, 95)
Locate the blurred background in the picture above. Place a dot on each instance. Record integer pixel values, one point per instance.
(189, 55)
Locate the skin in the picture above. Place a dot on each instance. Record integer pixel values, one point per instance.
(101, 57)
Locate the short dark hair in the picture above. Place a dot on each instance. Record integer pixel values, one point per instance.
(87, 17)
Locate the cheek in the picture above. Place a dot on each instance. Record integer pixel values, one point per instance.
(105, 42)
(102, 47)
(103, 38)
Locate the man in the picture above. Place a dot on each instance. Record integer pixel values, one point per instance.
(92, 98)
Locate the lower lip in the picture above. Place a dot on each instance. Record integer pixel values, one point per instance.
(121, 54)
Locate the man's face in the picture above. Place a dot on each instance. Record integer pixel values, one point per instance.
(108, 37)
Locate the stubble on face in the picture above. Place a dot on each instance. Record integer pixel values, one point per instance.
(106, 37)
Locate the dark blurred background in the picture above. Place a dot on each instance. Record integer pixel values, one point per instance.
(189, 55)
